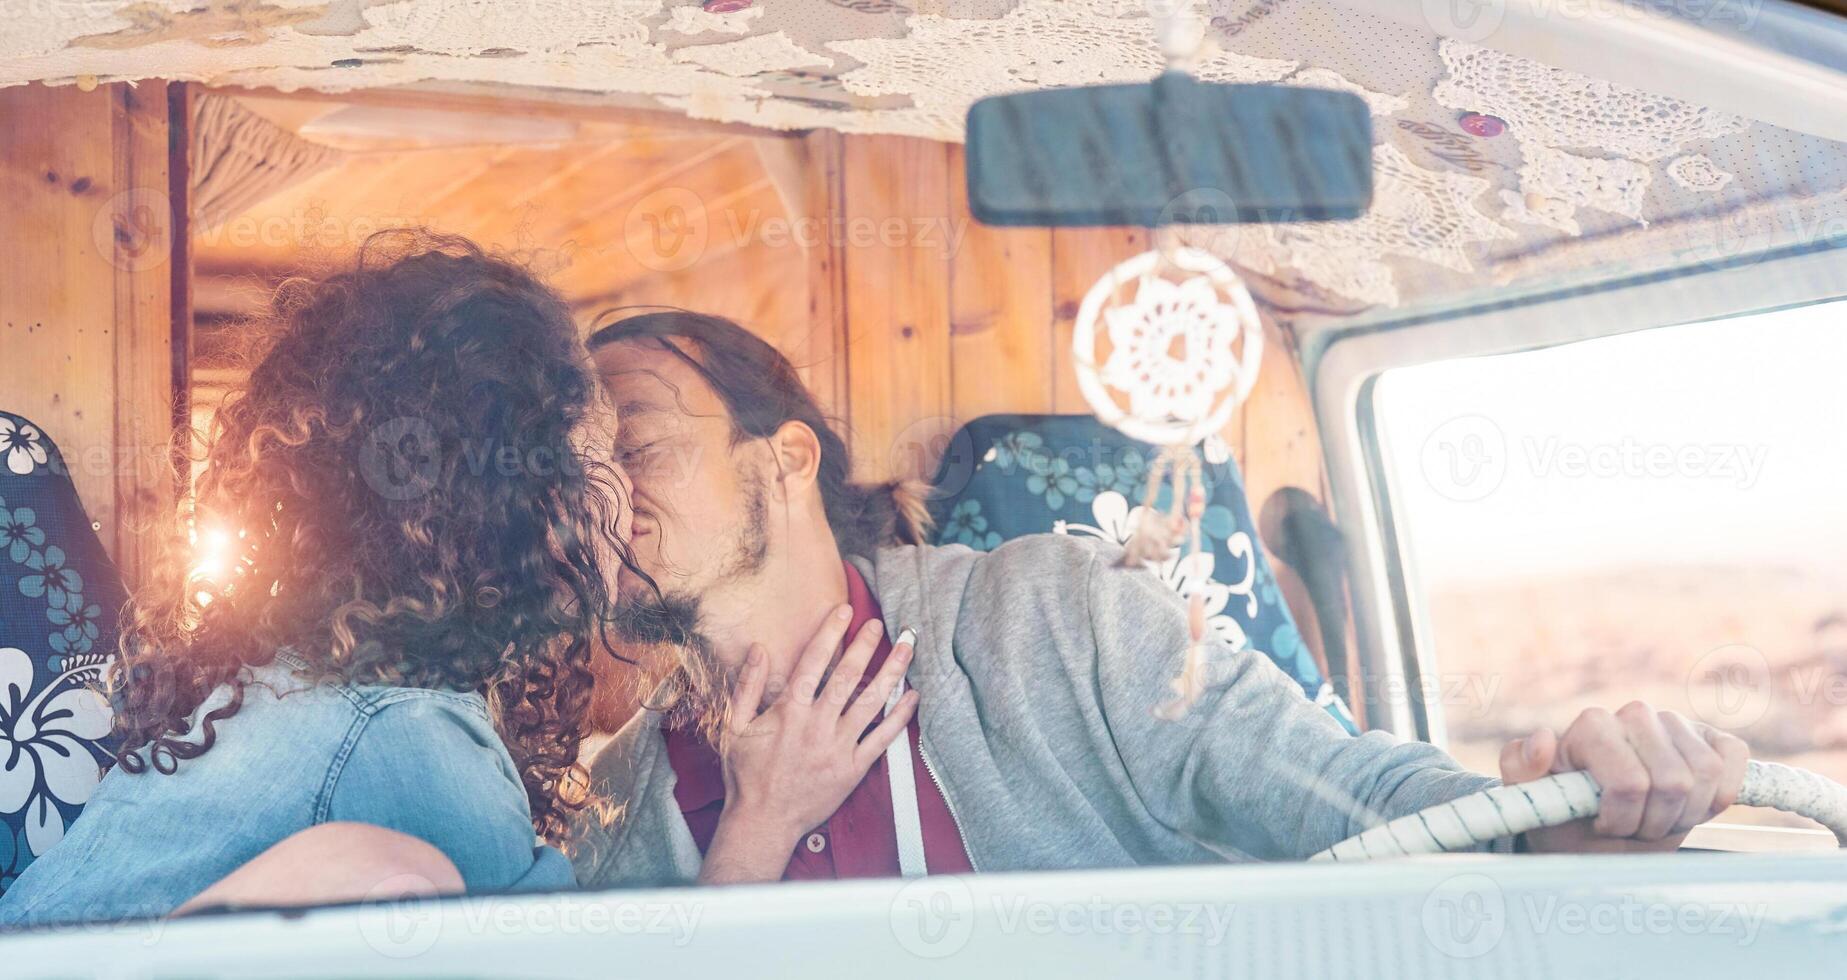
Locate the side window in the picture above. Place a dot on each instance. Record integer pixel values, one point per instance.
(1656, 515)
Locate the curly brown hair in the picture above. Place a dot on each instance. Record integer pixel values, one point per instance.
(415, 500)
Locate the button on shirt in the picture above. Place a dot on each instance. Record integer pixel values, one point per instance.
(860, 839)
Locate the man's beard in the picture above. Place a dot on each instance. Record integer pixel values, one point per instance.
(662, 619)
(671, 619)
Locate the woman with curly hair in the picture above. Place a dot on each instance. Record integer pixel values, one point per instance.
(389, 669)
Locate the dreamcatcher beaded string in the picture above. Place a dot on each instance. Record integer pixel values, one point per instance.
(1167, 346)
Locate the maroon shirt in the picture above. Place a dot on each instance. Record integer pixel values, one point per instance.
(860, 840)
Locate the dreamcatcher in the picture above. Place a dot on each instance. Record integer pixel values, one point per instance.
(1167, 346)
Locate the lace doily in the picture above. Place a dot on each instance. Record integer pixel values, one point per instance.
(1184, 343)
(1421, 214)
(596, 68)
(1697, 172)
(1555, 108)
(696, 20)
(530, 26)
(945, 64)
(1580, 140)
(41, 28)
(752, 56)
(1379, 103)
(1554, 184)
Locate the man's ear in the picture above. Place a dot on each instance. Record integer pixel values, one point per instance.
(798, 455)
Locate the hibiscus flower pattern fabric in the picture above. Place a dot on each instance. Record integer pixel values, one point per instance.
(1008, 475)
(59, 599)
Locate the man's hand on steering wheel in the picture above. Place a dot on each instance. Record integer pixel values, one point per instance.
(1661, 775)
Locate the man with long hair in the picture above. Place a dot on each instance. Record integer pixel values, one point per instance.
(1036, 666)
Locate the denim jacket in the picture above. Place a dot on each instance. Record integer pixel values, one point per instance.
(424, 762)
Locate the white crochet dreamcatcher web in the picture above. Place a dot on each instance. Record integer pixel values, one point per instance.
(1167, 346)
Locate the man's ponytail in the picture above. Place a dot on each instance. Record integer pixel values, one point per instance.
(869, 516)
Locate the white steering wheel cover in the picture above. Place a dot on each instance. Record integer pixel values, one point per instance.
(1504, 811)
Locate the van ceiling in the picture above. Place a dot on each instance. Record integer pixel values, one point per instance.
(1492, 170)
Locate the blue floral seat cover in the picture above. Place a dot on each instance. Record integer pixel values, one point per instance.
(59, 599)
(1007, 475)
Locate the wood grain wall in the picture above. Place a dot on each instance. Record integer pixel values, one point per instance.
(86, 295)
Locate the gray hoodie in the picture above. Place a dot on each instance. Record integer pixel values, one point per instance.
(1039, 666)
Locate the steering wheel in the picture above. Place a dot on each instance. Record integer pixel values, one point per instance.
(1476, 819)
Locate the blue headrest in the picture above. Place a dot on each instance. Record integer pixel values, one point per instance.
(59, 599)
(1007, 475)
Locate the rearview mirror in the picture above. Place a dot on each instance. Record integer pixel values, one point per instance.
(1172, 151)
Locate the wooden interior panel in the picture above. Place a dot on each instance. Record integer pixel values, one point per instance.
(897, 304)
(818, 346)
(1000, 310)
(1079, 257)
(85, 315)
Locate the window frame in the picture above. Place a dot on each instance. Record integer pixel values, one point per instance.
(1391, 628)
